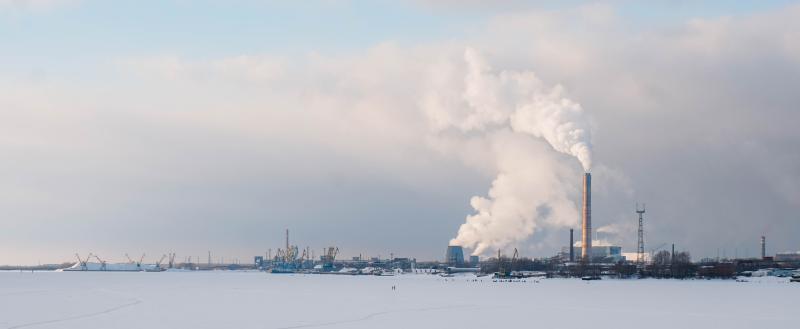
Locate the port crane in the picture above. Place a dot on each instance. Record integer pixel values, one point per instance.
(330, 254)
(102, 262)
(138, 264)
(328, 257)
(514, 258)
(158, 263)
(83, 262)
(502, 271)
(171, 259)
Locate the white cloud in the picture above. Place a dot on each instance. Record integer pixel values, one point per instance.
(698, 120)
(35, 5)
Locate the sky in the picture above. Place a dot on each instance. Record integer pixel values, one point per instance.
(395, 127)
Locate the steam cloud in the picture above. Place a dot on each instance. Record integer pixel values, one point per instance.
(504, 110)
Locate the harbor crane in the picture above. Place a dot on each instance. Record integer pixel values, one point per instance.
(502, 271)
(514, 258)
(102, 263)
(171, 259)
(330, 254)
(83, 262)
(158, 263)
(139, 263)
(328, 257)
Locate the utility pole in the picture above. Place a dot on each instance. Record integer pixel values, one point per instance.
(640, 248)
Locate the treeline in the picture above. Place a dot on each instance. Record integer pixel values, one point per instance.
(663, 265)
(507, 264)
(45, 267)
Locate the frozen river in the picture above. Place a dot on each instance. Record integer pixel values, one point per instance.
(259, 300)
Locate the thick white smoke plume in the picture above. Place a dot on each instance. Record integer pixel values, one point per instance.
(521, 121)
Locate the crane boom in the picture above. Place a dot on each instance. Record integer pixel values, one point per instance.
(102, 263)
(514, 258)
(158, 263)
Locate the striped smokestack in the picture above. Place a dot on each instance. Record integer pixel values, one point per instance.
(586, 242)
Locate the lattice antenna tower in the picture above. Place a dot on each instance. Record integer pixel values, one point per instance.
(640, 247)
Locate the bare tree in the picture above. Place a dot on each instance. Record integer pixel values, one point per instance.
(682, 266)
(682, 258)
(662, 258)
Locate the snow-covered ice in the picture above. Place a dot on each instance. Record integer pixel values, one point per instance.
(257, 300)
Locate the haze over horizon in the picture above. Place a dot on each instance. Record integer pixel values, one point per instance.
(378, 127)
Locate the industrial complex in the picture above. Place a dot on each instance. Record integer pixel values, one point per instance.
(594, 260)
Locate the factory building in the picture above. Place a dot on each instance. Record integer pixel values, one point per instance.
(474, 261)
(455, 256)
(600, 254)
(787, 257)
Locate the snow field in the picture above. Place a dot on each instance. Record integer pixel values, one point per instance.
(258, 300)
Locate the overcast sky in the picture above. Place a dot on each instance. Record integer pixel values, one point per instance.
(188, 126)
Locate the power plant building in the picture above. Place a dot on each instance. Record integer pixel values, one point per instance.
(601, 254)
(787, 256)
(455, 256)
(474, 261)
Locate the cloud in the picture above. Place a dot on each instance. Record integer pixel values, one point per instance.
(242, 68)
(35, 5)
(674, 109)
(696, 119)
(469, 100)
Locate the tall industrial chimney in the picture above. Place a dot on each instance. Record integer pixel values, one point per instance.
(763, 247)
(672, 255)
(586, 242)
(571, 245)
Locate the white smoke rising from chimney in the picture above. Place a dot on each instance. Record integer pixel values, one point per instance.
(559, 121)
(533, 187)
